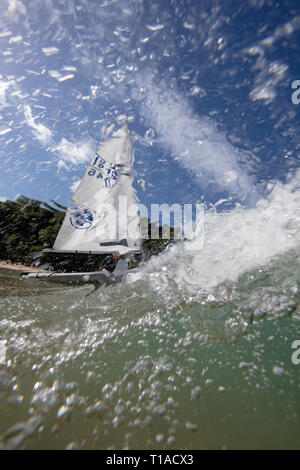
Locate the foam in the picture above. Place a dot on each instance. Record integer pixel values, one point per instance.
(235, 242)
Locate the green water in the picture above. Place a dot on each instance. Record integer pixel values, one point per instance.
(127, 368)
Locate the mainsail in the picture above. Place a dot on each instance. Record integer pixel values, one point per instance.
(103, 215)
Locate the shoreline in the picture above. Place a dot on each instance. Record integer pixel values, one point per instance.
(20, 267)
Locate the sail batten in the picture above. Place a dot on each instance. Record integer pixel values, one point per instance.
(103, 215)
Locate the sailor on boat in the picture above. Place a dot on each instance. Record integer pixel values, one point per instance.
(110, 262)
(89, 227)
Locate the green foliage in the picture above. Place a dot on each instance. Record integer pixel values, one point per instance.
(27, 226)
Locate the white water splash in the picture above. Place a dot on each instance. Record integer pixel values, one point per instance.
(236, 242)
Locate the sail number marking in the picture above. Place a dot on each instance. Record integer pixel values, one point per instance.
(100, 168)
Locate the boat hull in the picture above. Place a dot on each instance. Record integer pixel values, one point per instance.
(96, 277)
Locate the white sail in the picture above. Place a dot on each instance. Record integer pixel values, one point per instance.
(103, 215)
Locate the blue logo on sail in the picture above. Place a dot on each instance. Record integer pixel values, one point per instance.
(81, 219)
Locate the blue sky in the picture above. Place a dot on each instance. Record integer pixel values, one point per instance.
(204, 85)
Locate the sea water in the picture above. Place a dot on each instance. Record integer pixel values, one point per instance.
(198, 353)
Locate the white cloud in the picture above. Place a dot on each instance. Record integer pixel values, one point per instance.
(61, 164)
(74, 186)
(74, 152)
(194, 141)
(12, 11)
(40, 131)
(3, 199)
(15, 6)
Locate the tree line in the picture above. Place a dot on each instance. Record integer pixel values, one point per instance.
(28, 226)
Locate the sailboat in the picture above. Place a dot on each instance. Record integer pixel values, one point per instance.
(103, 215)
